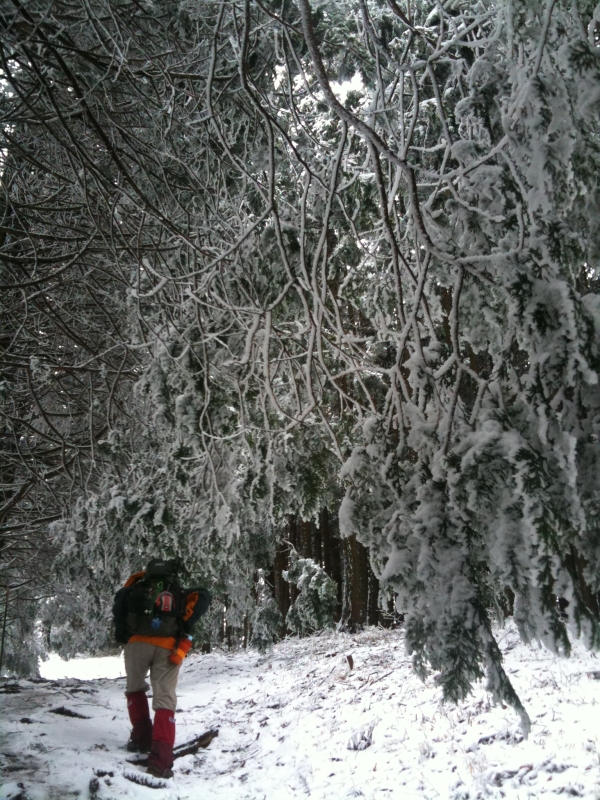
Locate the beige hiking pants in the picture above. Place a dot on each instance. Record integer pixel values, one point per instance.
(141, 657)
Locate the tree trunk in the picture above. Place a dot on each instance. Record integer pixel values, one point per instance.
(331, 550)
(315, 544)
(346, 584)
(304, 546)
(373, 611)
(281, 588)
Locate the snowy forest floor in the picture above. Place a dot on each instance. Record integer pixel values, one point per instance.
(285, 722)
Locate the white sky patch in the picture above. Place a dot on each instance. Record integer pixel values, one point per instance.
(280, 73)
(341, 90)
(83, 669)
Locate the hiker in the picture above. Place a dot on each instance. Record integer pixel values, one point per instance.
(155, 619)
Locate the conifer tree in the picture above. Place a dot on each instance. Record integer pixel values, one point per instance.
(315, 603)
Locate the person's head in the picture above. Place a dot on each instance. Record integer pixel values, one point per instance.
(164, 568)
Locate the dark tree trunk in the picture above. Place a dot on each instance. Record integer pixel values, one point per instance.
(281, 588)
(346, 584)
(360, 583)
(373, 611)
(331, 553)
(315, 543)
(304, 537)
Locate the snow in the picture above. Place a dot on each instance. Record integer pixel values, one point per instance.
(297, 723)
(85, 669)
(342, 89)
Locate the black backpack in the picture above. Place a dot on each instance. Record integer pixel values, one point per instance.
(155, 602)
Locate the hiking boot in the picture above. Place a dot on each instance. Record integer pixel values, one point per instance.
(160, 760)
(136, 746)
(159, 773)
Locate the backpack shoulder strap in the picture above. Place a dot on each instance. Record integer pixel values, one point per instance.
(134, 578)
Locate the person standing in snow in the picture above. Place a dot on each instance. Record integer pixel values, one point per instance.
(155, 619)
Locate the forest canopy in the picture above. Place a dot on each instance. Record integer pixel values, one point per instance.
(262, 262)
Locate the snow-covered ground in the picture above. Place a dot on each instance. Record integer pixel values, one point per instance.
(285, 722)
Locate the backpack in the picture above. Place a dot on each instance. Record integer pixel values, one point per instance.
(155, 601)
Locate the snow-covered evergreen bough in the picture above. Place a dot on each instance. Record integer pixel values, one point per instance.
(366, 240)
